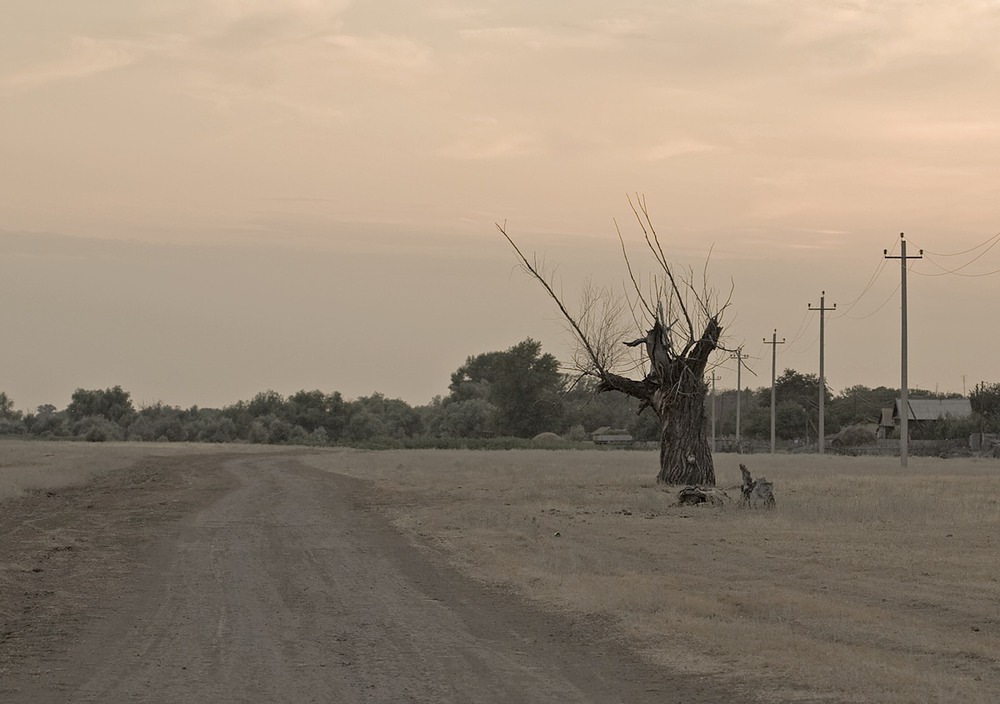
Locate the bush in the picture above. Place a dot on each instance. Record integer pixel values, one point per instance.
(854, 435)
(98, 429)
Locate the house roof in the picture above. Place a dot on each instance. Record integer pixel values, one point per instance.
(934, 408)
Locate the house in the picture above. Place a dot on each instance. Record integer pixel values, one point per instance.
(610, 436)
(923, 411)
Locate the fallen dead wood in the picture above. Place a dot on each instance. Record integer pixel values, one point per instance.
(691, 495)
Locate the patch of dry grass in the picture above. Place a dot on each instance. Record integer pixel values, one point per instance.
(867, 583)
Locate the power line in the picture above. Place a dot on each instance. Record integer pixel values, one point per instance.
(801, 330)
(988, 244)
(879, 268)
(880, 307)
(994, 239)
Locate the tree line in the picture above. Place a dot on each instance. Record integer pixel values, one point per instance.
(493, 398)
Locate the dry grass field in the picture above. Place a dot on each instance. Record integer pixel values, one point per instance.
(868, 583)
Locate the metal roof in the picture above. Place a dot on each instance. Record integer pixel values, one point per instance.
(934, 408)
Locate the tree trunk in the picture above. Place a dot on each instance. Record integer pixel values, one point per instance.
(675, 388)
(685, 456)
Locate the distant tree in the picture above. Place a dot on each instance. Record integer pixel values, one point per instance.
(314, 410)
(266, 403)
(308, 409)
(522, 383)
(7, 411)
(11, 421)
(396, 418)
(801, 389)
(363, 426)
(212, 426)
(985, 400)
(47, 422)
(98, 428)
(114, 404)
(158, 422)
(583, 405)
(465, 419)
(860, 404)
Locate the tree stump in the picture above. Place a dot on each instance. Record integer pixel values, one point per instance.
(756, 493)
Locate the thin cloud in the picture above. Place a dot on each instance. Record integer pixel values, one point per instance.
(674, 148)
(486, 138)
(86, 57)
(383, 50)
(538, 38)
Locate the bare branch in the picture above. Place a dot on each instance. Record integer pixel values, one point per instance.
(533, 270)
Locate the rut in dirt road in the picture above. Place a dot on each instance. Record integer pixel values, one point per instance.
(290, 588)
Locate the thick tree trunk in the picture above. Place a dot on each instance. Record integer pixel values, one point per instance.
(685, 456)
(675, 389)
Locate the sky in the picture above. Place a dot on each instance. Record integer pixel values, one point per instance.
(203, 199)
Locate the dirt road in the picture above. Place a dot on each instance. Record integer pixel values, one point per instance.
(252, 578)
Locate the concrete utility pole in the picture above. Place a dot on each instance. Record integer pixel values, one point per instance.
(738, 356)
(714, 379)
(774, 375)
(822, 379)
(904, 400)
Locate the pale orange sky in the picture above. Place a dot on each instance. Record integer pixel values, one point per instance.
(203, 199)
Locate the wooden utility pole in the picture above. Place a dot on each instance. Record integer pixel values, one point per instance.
(774, 375)
(822, 378)
(738, 356)
(904, 400)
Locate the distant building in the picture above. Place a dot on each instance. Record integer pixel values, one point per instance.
(610, 436)
(922, 412)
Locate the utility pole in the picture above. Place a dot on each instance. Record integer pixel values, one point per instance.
(822, 379)
(738, 356)
(904, 400)
(714, 379)
(774, 372)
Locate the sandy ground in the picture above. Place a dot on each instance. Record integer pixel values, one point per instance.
(252, 577)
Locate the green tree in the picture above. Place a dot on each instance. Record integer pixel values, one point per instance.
(860, 404)
(583, 405)
(114, 404)
(522, 383)
(985, 400)
(465, 419)
(395, 418)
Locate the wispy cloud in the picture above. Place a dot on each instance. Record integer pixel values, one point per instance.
(382, 50)
(84, 57)
(538, 38)
(486, 138)
(678, 147)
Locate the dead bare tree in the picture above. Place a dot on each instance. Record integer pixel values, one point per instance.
(680, 321)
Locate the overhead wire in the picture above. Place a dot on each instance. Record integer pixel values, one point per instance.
(879, 268)
(801, 330)
(957, 271)
(994, 239)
